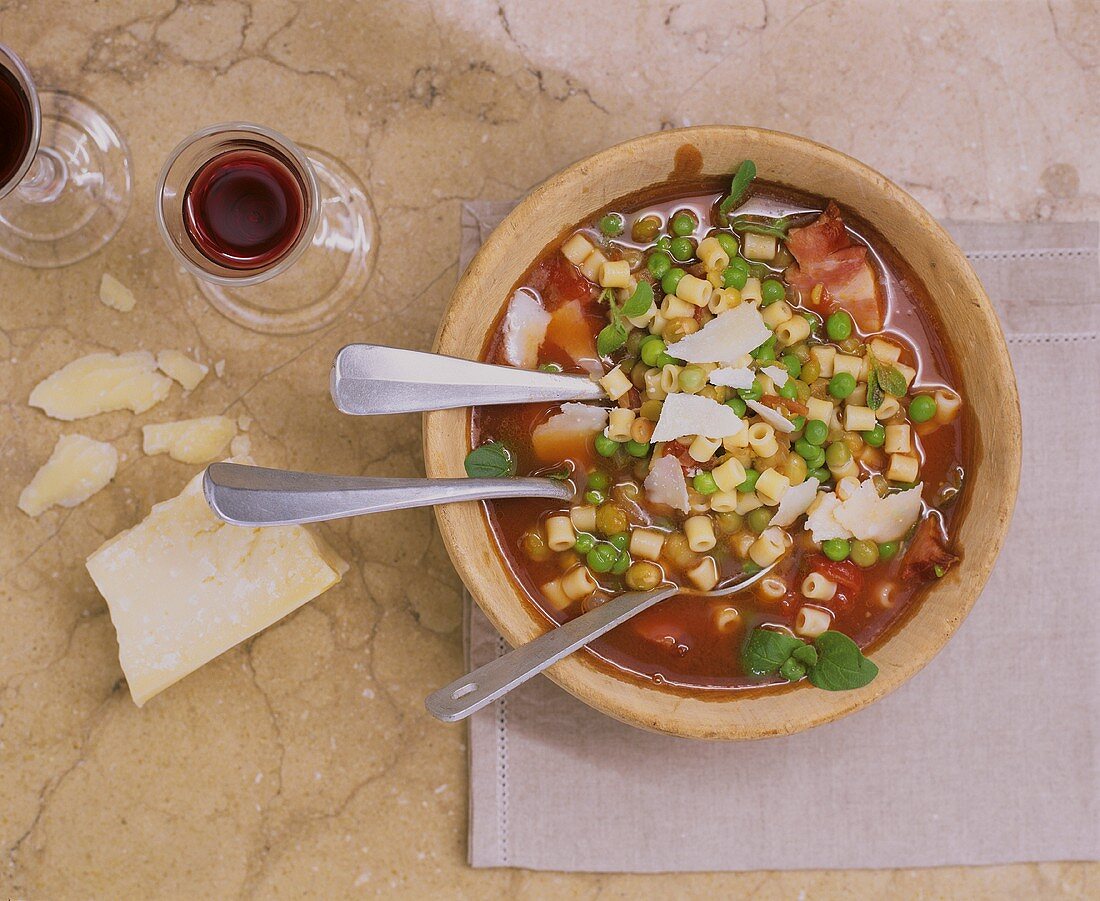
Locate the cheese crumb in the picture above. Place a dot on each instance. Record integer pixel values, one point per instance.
(219, 368)
(524, 329)
(189, 440)
(241, 446)
(182, 368)
(78, 467)
(872, 518)
(100, 383)
(821, 523)
(690, 414)
(665, 484)
(115, 294)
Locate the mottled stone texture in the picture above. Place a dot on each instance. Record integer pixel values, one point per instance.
(302, 763)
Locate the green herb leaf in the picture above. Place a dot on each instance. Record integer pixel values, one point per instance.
(490, 461)
(792, 670)
(746, 172)
(875, 396)
(640, 301)
(806, 654)
(610, 339)
(559, 475)
(841, 665)
(892, 381)
(607, 295)
(767, 650)
(778, 228)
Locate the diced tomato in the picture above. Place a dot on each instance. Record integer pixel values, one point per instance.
(844, 572)
(560, 282)
(779, 403)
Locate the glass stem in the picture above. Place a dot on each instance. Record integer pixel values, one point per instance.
(45, 179)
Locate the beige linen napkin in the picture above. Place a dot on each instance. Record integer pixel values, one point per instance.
(986, 756)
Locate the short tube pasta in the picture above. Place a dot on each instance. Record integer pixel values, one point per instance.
(888, 409)
(777, 313)
(849, 364)
(618, 424)
(646, 544)
(762, 439)
(859, 419)
(818, 588)
(810, 622)
(560, 535)
(771, 589)
(711, 254)
(793, 330)
(724, 502)
(615, 383)
(728, 475)
(768, 547)
(577, 249)
(702, 448)
(577, 583)
(673, 307)
(727, 619)
(760, 247)
(704, 575)
(583, 518)
(553, 592)
(903, 468)
(899, 439)
(696, 291)
(948, 404)
(590, 268)
(670, 378)
(771, 486)
(751, 293)
(615, 274)
(823, 355)
(700, 533)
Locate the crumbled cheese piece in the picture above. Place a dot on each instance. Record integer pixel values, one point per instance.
(690, 414)
(241, 446)
(774, 418)
(115, 294)
(524, 329)
(100, 383)
(77, 469)
(189, 440)
(796, 501)
(182, 368)
(219, 368)
(821, 523)
(732, 377)
(872, 518)
(558, 438)
(778, 374)
(665, 484)
(183, 587)
(725, 338)
(244, 423)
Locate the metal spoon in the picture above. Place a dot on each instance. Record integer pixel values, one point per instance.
(368, 379)
(484, 685)
(254, 496)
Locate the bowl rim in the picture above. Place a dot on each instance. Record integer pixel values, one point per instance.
(473, 550)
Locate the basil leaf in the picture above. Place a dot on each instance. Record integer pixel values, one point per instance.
(558, 475)
(841, 665)
(607, 295)
(746, 172)
(767, 650)
(610, 339)
(875, 397)
(806, 654)
(892, 381)
(640, 301)
(490, 461)
(778, 227)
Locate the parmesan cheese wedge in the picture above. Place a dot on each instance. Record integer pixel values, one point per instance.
(732, 377)
(189, 440)
(100, 383)
(183, 587)
(665, 484)
(821, 523)
(182, 368)
(726, 338)
(690, 414)
(872, 518)
(796, 500)
(774, 418)
(525, 327)
(78, 467)
(115, 294)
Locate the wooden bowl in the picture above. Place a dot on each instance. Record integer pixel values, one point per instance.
(968, 321)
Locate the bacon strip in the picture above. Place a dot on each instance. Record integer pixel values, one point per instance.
(927, 550)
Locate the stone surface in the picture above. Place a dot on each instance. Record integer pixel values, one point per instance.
(302, 763)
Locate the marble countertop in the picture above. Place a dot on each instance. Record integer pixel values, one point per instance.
(303, 763)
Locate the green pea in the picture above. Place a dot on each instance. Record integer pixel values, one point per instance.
(750, 568)
(751, 475)
(772, 291)
(789, 390)
(864, 553)
(838, 326)
(837, 454)
(602, 557)
(585, 543)
(887, 550)
(811, 371)
(733, 277)
(817, 461)
(692, 379)
(605, 447)
(658, 263)
(842, 384)
(754, 393)
(836, 548)
(683, 249)
(620, 540)
(664, 359)
(792, 670)
(792, 364)
(816, 432)
(922, 408)
(814, 321)
(737, 405)
(820, 473)
(652, 347)
(799, 422)
(621, 564)
(758, 519)
(611, 225)
(804, 447)
(599, 480)
(550, 367)
(704, 483)
(728, 243)
(683, 223)
(671, 279)
(876, 436)
(664, 242)
(637, 448)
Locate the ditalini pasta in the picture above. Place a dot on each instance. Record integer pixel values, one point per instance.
(758, 415)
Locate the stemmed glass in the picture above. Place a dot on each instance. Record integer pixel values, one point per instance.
(64, 172)
(239, 204)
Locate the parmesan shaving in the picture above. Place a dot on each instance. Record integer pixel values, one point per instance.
(872, 518)
(778, 374)
(731, 377)
(101, 383)
(796, 501)
(690, 414)
(524, 329)
(665, 484)
(725, 338)
(78, 467)
(115, 294)
(774, 418)
(821, 523)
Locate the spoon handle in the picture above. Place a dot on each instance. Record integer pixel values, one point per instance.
(254, 496)
(368, 379)
(487, 683)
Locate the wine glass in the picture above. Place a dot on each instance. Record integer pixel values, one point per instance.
(239, 204)
(64, 172)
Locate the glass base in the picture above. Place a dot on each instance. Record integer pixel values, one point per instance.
(329, 276)
(77, 192)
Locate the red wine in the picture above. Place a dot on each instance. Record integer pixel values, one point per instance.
(15, 126)
(244, 209)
